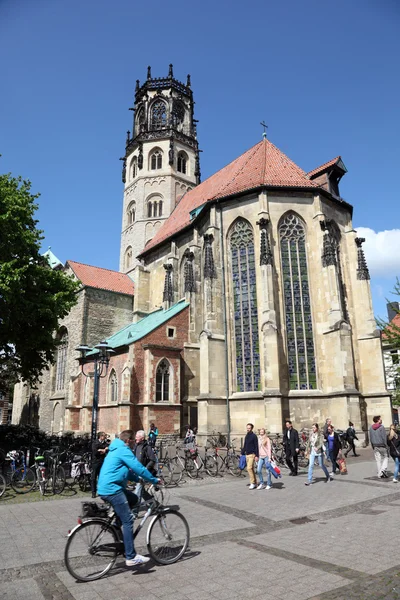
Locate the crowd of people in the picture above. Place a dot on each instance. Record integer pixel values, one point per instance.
(321, 445)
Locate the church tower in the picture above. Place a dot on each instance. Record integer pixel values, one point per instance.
(161, 161)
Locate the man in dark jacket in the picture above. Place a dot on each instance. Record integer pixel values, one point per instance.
(292, 447)
(99, 449)
(378, 439)
(146, 456)
(351, 436)
(250, 450)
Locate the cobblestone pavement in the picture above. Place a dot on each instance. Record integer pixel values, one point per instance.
(333, 541)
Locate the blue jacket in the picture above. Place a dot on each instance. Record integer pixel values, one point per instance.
(119, 464)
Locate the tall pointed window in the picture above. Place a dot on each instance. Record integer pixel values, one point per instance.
(113, 387)
(158, 115)
(156, 160)
(182, 162)
(133, 167)
(131, 213)
(162, 382)
(62, 351)
(299, 328)
(245, 307)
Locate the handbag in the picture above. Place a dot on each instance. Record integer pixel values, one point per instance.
(395, 448)
(242, 462)
(341, 461)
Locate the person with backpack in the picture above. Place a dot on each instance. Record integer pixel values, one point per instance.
(394, 449)
(152, 435)
(351, 436)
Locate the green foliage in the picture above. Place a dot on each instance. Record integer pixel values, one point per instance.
(15, 437)
(33, 297)
(391, 331)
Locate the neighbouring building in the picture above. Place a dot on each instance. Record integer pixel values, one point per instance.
(391, 354)
(257, 270)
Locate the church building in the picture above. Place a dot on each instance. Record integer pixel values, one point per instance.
(252, 298)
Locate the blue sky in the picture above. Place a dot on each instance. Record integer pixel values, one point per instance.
(323, 76)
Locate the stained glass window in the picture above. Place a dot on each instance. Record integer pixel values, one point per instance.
(299, 329)
(158, 115)
(162, 382)
(62, 351)
(247, 350)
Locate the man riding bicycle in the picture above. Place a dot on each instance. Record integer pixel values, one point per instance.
(111, 487)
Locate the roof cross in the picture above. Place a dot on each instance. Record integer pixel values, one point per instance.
(265, 129)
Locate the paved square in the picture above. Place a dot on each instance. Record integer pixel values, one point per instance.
(330, 540)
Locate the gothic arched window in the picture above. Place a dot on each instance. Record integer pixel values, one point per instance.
(158, 115)
(140, 121)
(131, 213)
(299, 328)
(245, 307)
(182, 162)
(113, 387)
(149, 210)
(133, 167)
(178, 114)
(156, 160)
(128, 257)
(160, 207)
(162, 381)
(62, 351)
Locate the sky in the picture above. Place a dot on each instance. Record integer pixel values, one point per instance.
(324, 78)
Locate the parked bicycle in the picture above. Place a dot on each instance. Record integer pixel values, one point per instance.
(17, 473)
(95, 543)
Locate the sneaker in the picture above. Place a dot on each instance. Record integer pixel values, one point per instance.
(395, 480)
(328, 479)
(267, 487)
(308, 483)
(261, 486)
(137, 561)
(252, 486)
(332, 475)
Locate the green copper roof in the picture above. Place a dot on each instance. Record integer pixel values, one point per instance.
(135, 331)
(52, 259)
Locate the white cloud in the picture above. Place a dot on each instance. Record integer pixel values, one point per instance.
(382, 251)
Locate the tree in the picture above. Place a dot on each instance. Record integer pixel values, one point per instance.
(391, 341)
(33, 297)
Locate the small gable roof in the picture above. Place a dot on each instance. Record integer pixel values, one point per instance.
(335, 162)
(264, 165)
(52, 259)
(392, 328)
(102, 279)
(135, 331)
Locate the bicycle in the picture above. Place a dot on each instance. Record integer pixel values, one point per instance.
(95, 543)
(3, 485)
(169, 468)
(18, 475)
(228, 462)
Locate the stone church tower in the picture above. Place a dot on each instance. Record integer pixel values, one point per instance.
(161, 161)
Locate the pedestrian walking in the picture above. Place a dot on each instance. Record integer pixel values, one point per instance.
(332, 448)
(314, 450)
(146, 456)
(394, 449)
(99, 449)
(378, 439)
(351, 436)
(292, 447)
(250, 450)
(152, 435)
(264, 458)
(325, 431)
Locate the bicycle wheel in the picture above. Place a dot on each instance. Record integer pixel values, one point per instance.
(211, 465)
(2, 485)
(168, 537)
(84, 482)
(57, 480)
(232, 464)
(23, 480)
(92, 549)
(303, 460)
(171, 472)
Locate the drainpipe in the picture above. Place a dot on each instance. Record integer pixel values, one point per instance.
(221, 238)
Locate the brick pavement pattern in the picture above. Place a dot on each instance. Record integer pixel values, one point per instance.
(292, 542)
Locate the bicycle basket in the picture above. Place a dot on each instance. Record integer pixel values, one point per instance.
(92, 509)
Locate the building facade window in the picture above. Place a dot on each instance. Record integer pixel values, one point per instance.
(128, 257)
(62, 352)
(182, 162)
(133, 167)
(243, 272)
(154, 207)
(158, 115)
(299, 327)
(131, 213)
(113, 387)
(156, 160)
(162, 381)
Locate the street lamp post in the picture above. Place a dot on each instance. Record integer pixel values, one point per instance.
(101, 360)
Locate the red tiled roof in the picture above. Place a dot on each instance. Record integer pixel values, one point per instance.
(102, 279)
(263, 165)
(323, 167)
(396, 322)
